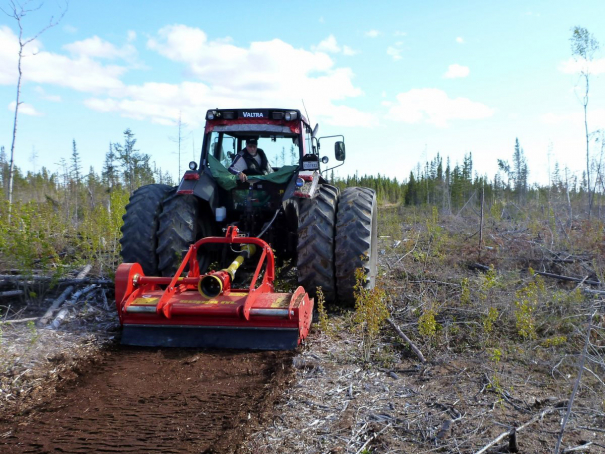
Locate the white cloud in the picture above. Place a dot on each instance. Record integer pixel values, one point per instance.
(394, 52)
(220, 73)
(70, 29)
(46, 96)
(8, 56)
(321, 19)
(372, 33)
(268, 78)
(346, 50)
(456, 71)
(460, 40)
(25, 109)
(398, 33)
(573, 66)
(131, 36)
(329, 45)
(434, 106)
(81, 73)
(95, 47)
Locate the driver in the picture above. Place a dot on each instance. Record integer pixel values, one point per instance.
(250, 161)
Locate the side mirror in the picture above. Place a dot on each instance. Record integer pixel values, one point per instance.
(339, 151)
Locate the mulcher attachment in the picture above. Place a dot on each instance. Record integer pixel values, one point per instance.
(204, 311)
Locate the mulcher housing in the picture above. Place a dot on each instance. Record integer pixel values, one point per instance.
(200, 258)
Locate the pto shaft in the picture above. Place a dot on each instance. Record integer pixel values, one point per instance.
(215, 283)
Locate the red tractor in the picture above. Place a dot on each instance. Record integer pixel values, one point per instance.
(182, 246)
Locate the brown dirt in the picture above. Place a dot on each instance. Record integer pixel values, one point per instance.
(152, 400)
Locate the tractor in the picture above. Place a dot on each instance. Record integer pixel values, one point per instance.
(200, 258)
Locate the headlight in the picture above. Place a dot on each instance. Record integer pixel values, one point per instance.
(300, 182)
(291, 116)
(210, 115)
(325, 159)
(192, 165)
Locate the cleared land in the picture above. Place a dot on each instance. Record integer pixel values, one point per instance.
(503, 347)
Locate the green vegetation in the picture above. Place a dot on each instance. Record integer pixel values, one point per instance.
(63, 219)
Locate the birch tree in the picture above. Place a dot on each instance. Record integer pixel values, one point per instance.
(583, 48)
(17, 11)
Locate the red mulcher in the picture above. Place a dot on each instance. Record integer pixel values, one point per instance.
(203, 310)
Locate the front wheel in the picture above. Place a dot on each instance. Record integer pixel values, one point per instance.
(356, 241)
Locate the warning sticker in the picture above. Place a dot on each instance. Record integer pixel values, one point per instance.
(146, 301)
(282, 301)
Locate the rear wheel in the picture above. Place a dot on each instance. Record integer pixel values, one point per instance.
(315, 250)
(356, 241)
(182, 223)
(139, 232)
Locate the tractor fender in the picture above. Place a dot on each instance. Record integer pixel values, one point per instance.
(204, 187)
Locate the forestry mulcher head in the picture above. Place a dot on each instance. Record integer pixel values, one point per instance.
(205, 311)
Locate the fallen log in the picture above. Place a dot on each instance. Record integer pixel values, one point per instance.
(407, 339)
(567, 278)
(56, 303)
(79, 279)
(74, 299)
(64, 280)
(11, 293)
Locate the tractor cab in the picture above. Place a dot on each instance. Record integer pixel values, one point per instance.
(280, 133)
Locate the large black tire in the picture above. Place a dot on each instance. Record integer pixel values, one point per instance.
(315, 249)
(356, 241)
(139, 232)
(182, 223)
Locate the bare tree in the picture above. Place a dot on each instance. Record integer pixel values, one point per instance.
(583, 47)
(18, 10)
(179, 139)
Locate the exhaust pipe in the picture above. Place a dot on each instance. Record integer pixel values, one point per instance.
(214, 284)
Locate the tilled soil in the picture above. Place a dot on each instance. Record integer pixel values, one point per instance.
(152, 400)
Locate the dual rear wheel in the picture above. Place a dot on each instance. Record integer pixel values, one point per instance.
(159, 226)
(336, 236)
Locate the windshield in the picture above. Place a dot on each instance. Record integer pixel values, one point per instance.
(280, 149)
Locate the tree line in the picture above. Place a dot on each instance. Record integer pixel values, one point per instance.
(451, 187)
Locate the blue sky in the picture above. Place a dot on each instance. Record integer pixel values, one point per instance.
(401, 80)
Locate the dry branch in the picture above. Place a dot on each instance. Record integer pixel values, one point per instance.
(482, 267)
(21, 320)
(407, 339)
(517, 429)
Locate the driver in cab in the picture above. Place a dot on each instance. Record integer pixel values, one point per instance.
(250, 161)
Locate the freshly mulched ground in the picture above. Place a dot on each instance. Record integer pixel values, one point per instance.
(150, 400)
